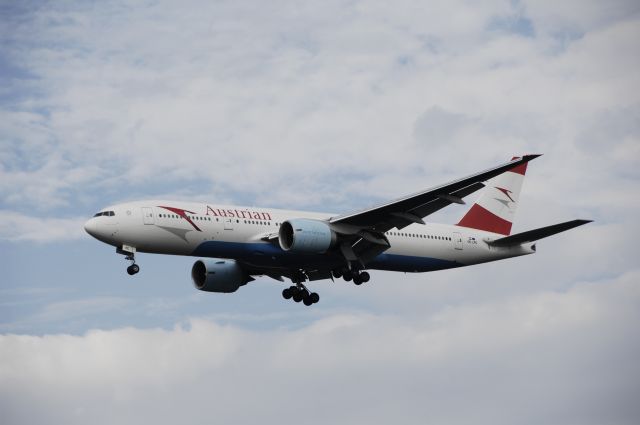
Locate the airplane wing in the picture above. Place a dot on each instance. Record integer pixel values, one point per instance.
(413, 208)
(366, 228)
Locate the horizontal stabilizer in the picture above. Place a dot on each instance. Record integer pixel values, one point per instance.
(536, 234)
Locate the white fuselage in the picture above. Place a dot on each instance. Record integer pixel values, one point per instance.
(242, 233)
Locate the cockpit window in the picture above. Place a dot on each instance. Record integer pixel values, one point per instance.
(105, 213)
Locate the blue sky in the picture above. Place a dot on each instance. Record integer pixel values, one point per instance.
(331, 106)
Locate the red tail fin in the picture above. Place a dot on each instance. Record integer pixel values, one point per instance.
(494, 211)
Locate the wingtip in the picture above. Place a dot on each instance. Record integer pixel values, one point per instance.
(529, 157)
(526, 158)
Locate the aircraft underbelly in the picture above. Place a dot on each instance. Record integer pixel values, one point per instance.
(272, 257)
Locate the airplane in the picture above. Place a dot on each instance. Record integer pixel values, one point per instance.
(236, 244)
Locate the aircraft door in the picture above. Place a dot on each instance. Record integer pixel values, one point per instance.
(147, 215)
(228, 223)
(457, 240)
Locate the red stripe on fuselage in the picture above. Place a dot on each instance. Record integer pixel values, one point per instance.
(183, 214)
(482, 219)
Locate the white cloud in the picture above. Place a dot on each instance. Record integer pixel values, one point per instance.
(291, 100)
(18, 227)
(538, 358)
(66, 310)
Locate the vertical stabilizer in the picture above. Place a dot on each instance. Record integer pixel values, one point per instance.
(495, 210)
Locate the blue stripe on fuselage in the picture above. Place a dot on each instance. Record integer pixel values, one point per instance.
(410, 263)
(268, 255)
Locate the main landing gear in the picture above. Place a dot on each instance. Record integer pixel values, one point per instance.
(358, 277)
(300, 293)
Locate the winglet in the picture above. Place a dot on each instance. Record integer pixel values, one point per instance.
(522, 168)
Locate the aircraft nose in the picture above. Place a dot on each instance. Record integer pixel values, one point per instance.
(90, 227)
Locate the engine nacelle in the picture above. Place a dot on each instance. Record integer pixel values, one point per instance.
(306, 236)
(217, 275)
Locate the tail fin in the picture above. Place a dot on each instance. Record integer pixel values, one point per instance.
(495, 210)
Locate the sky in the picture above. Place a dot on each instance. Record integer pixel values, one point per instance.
(321, 106)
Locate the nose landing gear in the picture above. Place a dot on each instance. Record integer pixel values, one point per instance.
(133, 268)
(129, 255)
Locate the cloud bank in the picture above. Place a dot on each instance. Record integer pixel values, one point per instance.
(308, 106)
(543, 358)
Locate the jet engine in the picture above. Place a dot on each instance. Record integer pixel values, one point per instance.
(217, 275)
(306, 236)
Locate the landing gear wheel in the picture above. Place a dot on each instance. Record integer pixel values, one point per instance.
(298, 292)
(299, 295)
(364, 277)
(337, 274)
(133, 269)
(311, 298)
(287, 293)
(357, 279)
(347, 277)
